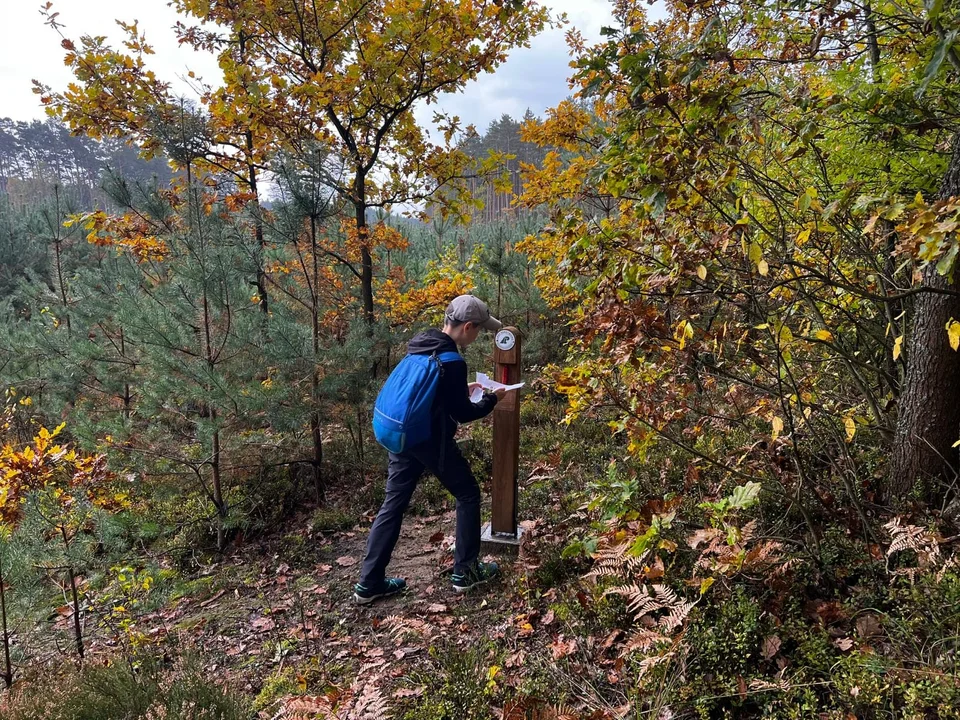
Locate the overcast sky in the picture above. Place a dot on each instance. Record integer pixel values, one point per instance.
(534, 77)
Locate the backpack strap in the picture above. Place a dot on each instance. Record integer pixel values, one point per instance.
(445, 357)
(450, 356)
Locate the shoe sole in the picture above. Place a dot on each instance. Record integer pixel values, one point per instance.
(468, 588)
(359, 600)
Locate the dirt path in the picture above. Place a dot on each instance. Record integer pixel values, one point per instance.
(258, 615)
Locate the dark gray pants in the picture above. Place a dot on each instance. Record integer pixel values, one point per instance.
(404, 472)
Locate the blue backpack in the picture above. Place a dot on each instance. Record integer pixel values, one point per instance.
(401, 415)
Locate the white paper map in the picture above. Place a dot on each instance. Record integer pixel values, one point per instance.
(486, 383)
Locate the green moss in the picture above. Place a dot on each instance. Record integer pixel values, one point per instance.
(275, 687)
(204, 585)
(332, 519)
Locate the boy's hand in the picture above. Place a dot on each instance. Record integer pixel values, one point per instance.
(499, 392)
(473, 386)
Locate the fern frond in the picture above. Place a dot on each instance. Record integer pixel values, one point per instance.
(368, 704)
(785, 567)
(649, 663)
(400, 626)
(950, 564)
(676, 616)
(762, 554)
(304, 707)
(665, 595)
(564, 712)
(616, 561)
(643, 639)
(761, 685)
(915, 538)
(639, 600)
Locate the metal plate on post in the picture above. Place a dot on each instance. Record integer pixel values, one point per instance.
(505, 340)
(494, 542)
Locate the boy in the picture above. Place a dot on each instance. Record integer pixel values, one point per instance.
(465, 317)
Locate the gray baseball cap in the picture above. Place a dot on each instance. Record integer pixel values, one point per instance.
(467, 308)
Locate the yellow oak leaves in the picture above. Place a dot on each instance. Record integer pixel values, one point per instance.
(130, 233)
(45, 465)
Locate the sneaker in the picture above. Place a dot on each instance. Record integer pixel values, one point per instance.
(391, 586)
(480, 573)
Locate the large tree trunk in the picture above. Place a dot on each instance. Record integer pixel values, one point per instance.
(366, 260)
(929, 420)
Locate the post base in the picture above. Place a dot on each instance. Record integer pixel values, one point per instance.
(498, 542)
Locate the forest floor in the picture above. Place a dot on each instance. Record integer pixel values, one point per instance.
(277, 618)
(272, 620)
(257, 613)
(274, 617)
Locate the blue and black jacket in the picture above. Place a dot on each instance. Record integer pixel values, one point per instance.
(452, 405)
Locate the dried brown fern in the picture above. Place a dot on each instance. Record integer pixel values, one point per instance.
(644, 602)
(721, 557)
(369, 704)
(400, 627)
(304, 707)
(759, 685)
(616, 561)
(919, 540)
(677, 609)
(647, 664)
(911, 537)
(643, 639)
(363, 701)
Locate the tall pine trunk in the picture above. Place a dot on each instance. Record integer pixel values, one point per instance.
(315, 432)
(929, 419)
(8, 667)
(259, 249)
(366, 258)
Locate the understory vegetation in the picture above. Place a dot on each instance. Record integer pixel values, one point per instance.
(730, 257)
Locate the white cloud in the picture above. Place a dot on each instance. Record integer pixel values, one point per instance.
(30, 50)
(534, 77)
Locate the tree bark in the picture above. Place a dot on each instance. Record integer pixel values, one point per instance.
(366, 259)
(315, 432)
(261, 281)
(8, 673)
(929, 419)
(72, 576)
(77, 628)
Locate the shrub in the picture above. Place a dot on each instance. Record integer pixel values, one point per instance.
(144, 690)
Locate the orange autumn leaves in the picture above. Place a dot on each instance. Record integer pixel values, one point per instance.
(130, 233)
(399, 302)
(54, 469)
(293, 77)
(406, 307)
(142, 236)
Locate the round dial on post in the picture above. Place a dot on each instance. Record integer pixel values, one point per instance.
(505, 340)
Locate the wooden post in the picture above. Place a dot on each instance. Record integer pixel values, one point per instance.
(503, 526)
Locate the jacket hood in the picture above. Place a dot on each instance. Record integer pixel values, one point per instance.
(431, 341)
